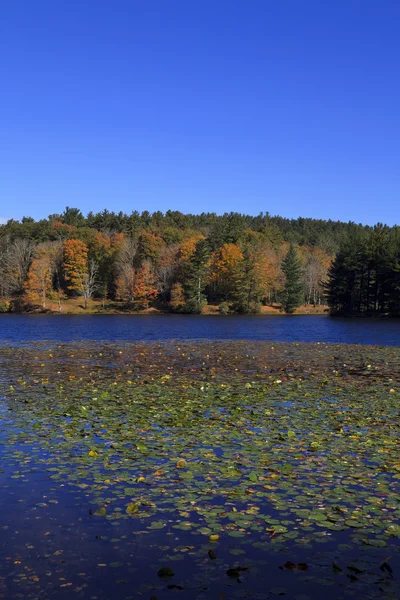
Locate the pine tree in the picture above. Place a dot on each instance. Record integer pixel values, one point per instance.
(338, 288)
(250, 281)
(293, 291)
(196, 277)
(394, 286)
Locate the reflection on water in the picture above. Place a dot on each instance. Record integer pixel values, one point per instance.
(17, 329)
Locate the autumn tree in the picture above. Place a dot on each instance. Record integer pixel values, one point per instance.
(223, 266)
(75, 264)
(80, 273)
(39, 278)
(186, 251)
(62, 231)
(137, 286)
(177, 301)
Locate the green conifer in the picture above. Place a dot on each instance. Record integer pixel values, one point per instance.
(293, 292)
(196, 278)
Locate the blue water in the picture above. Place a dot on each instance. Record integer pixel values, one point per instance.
(17, 329)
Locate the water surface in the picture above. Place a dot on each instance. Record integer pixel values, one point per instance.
(15, 329)
(250, 469)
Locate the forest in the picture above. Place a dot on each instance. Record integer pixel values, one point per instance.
(364, 278)
(183, 262)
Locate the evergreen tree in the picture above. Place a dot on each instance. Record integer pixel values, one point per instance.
(363, 278)
(250, 283)
(293, 291)
(338, 288)
(394, 286)
(196, 277)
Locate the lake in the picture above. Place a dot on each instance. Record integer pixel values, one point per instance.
(16, 329)
(198, 470)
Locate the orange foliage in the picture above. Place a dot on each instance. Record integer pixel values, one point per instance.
(102, 241)
(223, 267)
(177, 301)
(187, 248)
(62, 230)
(38, 282)
(75, 264)
(137, 286)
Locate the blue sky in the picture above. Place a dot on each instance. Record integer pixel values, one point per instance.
(286, 106)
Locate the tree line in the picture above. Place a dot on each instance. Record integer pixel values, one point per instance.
(173, 261)
(364, 277)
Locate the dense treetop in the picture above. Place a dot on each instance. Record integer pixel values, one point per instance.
(225, 228)
(181, 262)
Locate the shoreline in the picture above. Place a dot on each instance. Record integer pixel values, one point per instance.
(74, 307)
(160, 313)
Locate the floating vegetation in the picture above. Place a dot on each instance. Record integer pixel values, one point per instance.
(236, 468)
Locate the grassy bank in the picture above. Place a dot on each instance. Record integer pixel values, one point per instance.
(75, 306)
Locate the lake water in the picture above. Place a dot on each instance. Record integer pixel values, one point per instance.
(198, 470)
(16, 329)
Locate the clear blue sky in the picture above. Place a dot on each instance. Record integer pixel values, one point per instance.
(286, 106)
